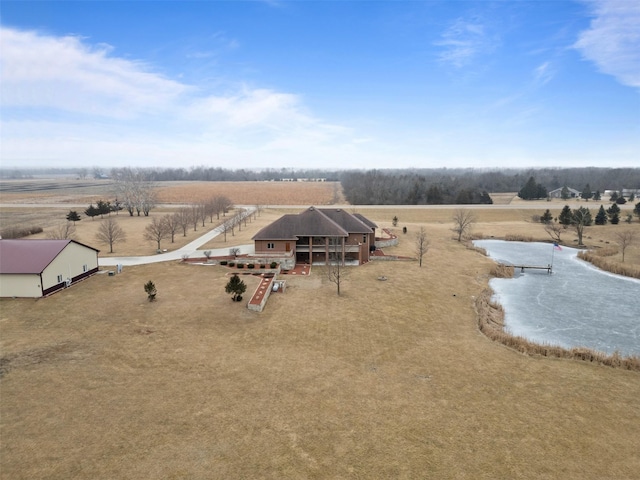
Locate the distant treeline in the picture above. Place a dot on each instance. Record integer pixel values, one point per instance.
(467, 186)
(390, 186)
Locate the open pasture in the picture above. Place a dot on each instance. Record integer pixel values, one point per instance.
(390, 380)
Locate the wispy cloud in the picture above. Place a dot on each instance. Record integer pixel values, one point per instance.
(543, 73)
(64, 99)
(462, 42)
(66, 74)
(612, 40)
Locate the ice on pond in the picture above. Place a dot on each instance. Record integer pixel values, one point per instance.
(577, 305)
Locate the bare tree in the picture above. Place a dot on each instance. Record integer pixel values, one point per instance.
(554, 230)
(194, 209)
(335, 269)
(135, 191)
(422, 244)
(172, 223)
(183, 217)
(203, 212)
(64, 231)
(580, 218)
(156, 231)
(110, 232)
(463, 220)
(625, 238)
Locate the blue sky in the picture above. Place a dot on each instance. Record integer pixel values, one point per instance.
(320, 84)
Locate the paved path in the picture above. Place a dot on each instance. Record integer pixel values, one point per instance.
(190, 249)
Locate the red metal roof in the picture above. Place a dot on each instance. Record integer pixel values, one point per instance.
(30, 256)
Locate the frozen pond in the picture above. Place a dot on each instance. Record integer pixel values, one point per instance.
(576, 306)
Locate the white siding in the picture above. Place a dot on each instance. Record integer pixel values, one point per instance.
(20, 285)
(69, 264)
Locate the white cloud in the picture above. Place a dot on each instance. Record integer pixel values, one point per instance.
(612, 40)
(69, 102)
(543, 73)
(65, 74)
(462, 42)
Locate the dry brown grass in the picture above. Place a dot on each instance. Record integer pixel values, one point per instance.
(254, 193)
(390, 380)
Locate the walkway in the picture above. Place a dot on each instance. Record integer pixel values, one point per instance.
(190, 249)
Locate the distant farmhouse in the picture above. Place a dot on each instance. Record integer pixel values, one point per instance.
(557, 193)
(36, 268)
(316, 233)
(625, 192)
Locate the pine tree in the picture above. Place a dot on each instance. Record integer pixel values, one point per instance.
(235, 286)
(564, 194)
(565, 216)
(614, 214)
(150, 288)
(73, 216)
(601, 216)
(546, 217)
(586, 192)
(92, 211)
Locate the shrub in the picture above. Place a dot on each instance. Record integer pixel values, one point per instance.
(231, 264)
(223, 262)
(251, 265)
(274, 264)
(20, 232)
(241, 265)
(262, 265)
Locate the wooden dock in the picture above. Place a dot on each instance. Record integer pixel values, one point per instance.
(548, 268)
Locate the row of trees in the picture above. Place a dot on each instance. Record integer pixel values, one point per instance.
(581, 217)
(376, 187)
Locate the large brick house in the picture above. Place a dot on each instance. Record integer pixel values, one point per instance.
(316, 235)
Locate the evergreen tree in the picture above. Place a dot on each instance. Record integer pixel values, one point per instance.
(565, 194)
(586, 192)
(614, 214)
(614, 196)
(150, 288)
(565, 216)
(104, 208)
(530, 190)
(546, 217)
(597, 196)
(92, 211)
(73, 216)
(485, 198)
(235, 286)
(601, 216)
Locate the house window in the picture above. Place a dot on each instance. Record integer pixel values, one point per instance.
(364, 238)
(85, 267)
(59, 278)
(271, 245)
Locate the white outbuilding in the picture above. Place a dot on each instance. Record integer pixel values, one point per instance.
(36, 268)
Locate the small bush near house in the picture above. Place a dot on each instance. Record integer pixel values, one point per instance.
(274, 264)
(251, 265)
(223, 262)
(241, 265)
(232, 264)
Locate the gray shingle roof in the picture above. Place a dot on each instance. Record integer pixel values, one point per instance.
(313, 222)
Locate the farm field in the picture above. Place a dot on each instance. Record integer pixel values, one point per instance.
(389, 380)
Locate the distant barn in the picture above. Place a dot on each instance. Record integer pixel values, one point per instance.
(36, 268)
